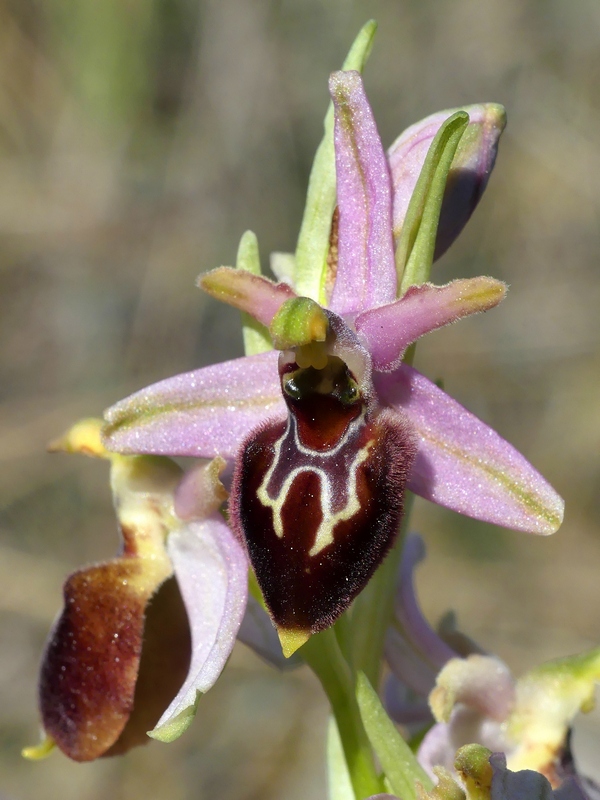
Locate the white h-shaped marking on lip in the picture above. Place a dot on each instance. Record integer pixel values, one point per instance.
(324, 535)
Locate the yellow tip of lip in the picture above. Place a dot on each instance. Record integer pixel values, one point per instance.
(39, 751)
(291, 640)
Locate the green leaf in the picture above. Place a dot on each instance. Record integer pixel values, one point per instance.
(373, 609)
(256, 336)
(313, 240)
(340, 784)
(399, 763)
(414, 254)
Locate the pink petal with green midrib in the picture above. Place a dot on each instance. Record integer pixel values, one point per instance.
(366, 272)
(203, 413)
(390, 329)
(464, 465)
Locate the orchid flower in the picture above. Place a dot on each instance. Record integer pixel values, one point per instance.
(414, 651)
(129, 634)
(527, 720)
(327, 433)
(324, 424)
(480, 774)
(473, 697)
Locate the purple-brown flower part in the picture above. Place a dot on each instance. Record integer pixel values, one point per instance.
(281, 421)
(92, 661)
(528, 720)
(120, 651)
(339, 465)
(526, 784)
(90, 667)
(414, 651)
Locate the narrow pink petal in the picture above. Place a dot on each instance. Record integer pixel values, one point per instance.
(390, 329)
(366, 272)
(212, 573)
(257, 296)
(203, 413)
(407, 611)
(403, 707)
(407, 664)
(414, 651)
(464, 465)
(471, 168)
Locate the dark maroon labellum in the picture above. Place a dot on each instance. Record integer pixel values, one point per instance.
(318, 498)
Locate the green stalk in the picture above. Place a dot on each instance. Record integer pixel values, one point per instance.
(324, 656)
(373, 609)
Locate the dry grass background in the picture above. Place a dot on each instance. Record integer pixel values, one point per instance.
(138, 140)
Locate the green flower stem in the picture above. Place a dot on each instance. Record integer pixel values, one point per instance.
(344, 634)
(324, 656)
(374, 608)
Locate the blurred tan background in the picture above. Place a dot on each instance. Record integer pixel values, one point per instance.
(138, 140)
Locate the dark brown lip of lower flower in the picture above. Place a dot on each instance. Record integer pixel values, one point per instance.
(115, 660)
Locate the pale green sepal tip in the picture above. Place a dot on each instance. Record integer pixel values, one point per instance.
(495, 119)
(283, 266)
(176, 727)
(338, 775)
(400, 766)
(313, 240)
(248, 257)
(299, 321)
(256, 336)
(570, 676)
(414, 253)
